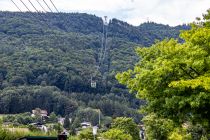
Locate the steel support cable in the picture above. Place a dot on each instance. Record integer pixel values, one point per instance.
(54, 6)
(102, 46)
(47, 6)
(106, 53)
(41, 14)
(21, 11)
(105, 43)
(38, 12)
(33, 6)
(31, 13)
(16, 6)
(100, 53)
(26, 6)
(41, 6)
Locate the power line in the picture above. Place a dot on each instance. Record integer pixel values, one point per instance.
(16, 6)
(54, 6)
(41, 6)
(47, 6)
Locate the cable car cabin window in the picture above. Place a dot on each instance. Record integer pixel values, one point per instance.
(93, 84)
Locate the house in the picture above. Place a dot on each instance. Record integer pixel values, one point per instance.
(61, 121)
(38, 138)
(40, 126)
(85, 125)
(60, 137)
(39, 112)
(43, 113)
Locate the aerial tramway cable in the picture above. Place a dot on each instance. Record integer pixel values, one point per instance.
(54, 6)
(33, 6)
(105, 43)
(26, 6)
(47, 6)
(31, 13)
(38, 12)
(41, 6)
(102, 46)
(16, 6)
(102, 53)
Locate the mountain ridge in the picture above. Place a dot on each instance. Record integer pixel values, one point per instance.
(89, 24)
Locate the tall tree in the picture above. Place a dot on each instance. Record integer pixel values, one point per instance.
(66, 122)
(127, 125)
(174, 79)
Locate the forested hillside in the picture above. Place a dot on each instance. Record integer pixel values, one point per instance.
(46, 61)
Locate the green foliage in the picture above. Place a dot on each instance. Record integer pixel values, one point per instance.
(116, 134)
(146, 33)
(86, 134)
(73, 138)
(127, 125)
(58, 127)
(1, 121)
(53, 118)
(87, 115)
(7, 135)
(174, 79)
(90, 115)
(66, 122)
(24, 118)
(158, 128)
(179, 134)
(25, 98)
(33, 128)
(14, 135)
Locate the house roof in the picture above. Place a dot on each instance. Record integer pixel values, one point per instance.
(38, 138)
(86, 123)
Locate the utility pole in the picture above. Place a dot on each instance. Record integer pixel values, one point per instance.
(99, 117)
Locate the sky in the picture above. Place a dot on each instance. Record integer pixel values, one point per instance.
(135, 12)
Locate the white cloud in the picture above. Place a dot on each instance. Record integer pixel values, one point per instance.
(172, 12)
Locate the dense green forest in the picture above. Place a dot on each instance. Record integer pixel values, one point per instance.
(47, 60)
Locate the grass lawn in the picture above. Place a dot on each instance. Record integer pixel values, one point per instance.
(1, 116)
(24, 130)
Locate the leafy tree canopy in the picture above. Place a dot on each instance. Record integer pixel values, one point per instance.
(174, 79)
(116, 134)
(127, 125)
